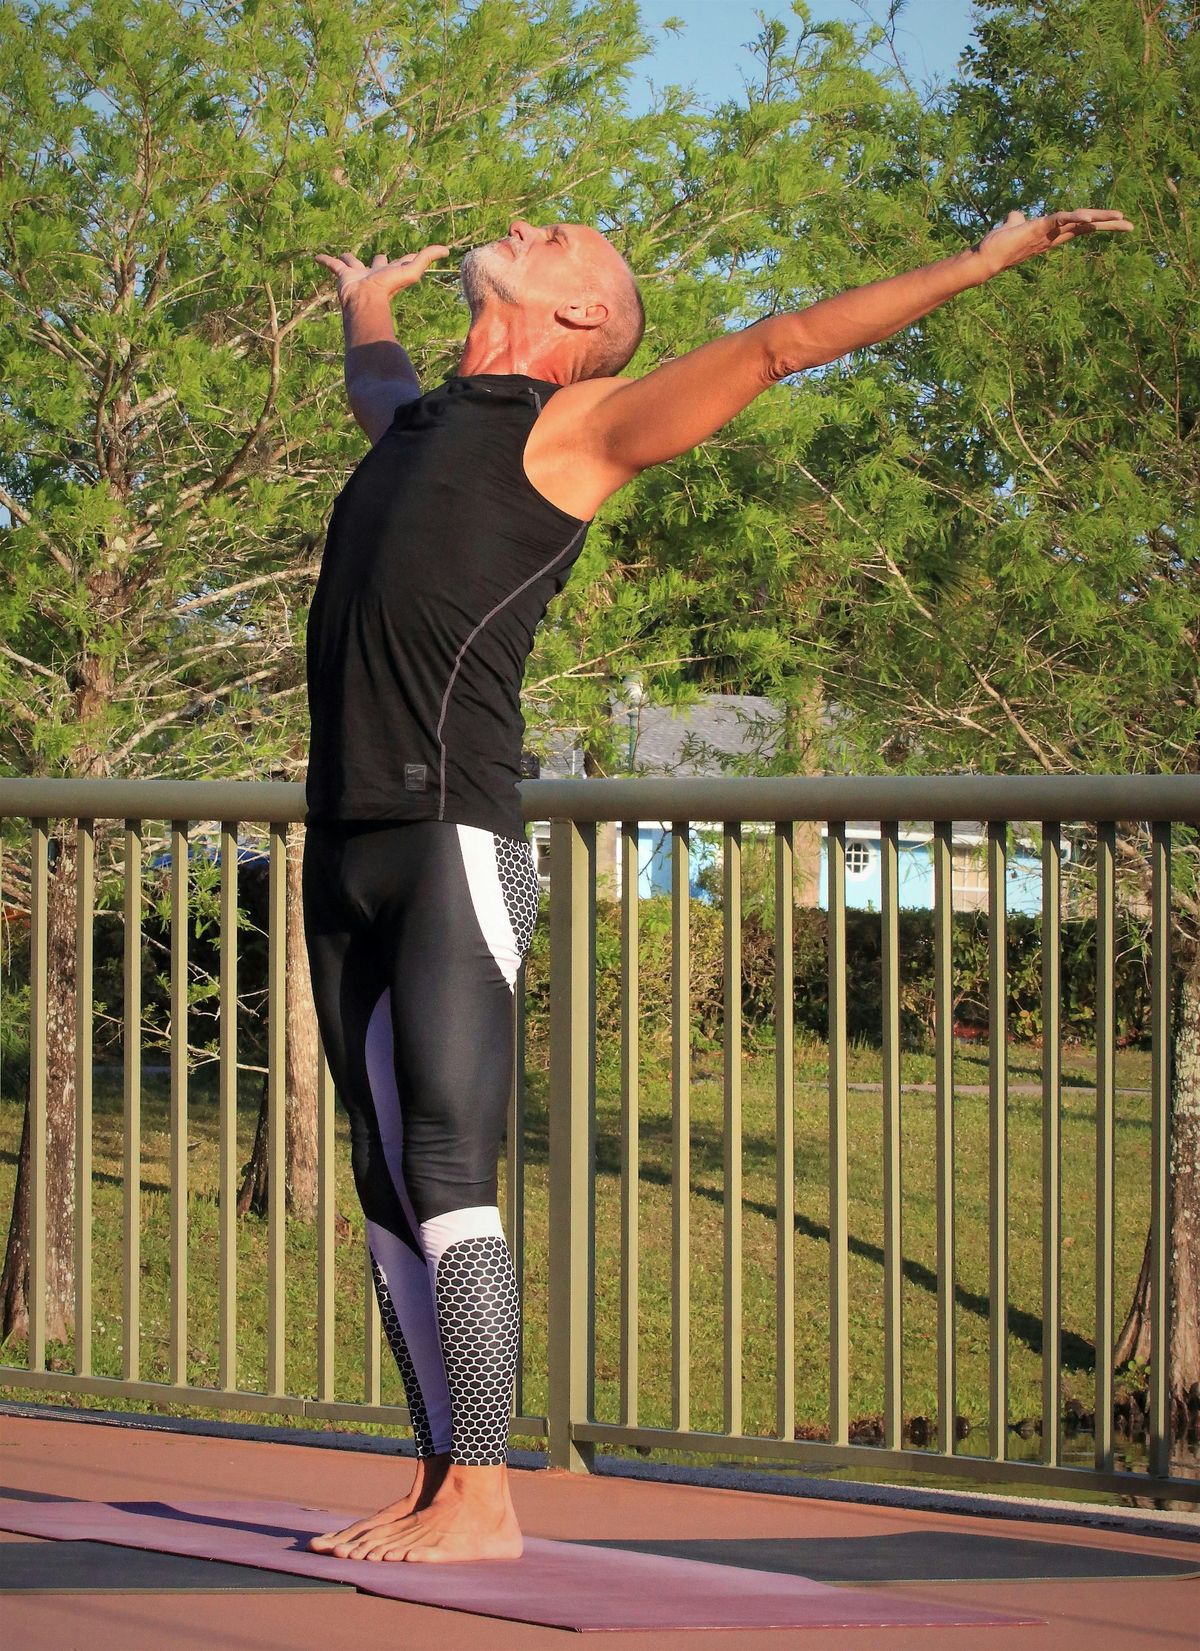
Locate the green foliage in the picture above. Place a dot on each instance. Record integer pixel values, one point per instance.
(1016, 518)
(175, 429)
(864, 977)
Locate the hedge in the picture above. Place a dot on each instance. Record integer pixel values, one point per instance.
(863, 973)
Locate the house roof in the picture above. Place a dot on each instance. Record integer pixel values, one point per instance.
(693, 739)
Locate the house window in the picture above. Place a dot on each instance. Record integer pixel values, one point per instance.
(858, 859)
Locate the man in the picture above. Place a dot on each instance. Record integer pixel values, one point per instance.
(443, 550)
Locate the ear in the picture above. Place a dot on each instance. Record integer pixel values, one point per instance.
(582, 315)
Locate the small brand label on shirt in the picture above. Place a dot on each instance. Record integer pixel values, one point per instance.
(414, 776)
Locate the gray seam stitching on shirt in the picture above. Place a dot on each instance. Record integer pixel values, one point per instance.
(487, 618)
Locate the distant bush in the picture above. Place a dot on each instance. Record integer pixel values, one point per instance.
(864, 994)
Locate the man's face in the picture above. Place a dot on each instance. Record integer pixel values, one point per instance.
(541, 268)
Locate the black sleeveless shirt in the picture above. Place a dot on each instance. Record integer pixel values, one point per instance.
(440, 559)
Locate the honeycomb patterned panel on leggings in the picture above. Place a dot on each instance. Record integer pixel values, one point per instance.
(479, 1317)
(422, 1432)
(517, 870)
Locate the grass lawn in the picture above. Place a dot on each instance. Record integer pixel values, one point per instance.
(810, 1238)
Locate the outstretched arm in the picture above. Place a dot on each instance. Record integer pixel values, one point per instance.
(379, 375)
(874, 312)
(645, 421)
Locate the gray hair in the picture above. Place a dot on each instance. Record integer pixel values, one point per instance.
(615, 343)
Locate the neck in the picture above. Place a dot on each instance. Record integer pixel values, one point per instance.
(506, 344)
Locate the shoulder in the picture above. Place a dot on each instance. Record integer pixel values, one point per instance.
(563, 457)
(575, 400)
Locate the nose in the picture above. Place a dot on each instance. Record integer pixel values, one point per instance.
(522, 230)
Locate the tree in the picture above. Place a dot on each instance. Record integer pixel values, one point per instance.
(1017, 526)
(174, 426)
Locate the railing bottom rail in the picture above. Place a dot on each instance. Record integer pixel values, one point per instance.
(868, 1458)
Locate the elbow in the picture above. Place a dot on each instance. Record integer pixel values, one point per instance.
(789, 348)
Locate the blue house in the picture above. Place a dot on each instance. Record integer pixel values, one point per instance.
(914, 866)
(722, 734)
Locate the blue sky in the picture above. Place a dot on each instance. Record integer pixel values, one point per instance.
(709, 54)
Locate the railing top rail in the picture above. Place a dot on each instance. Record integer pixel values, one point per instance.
(791, 797)
(870, 797)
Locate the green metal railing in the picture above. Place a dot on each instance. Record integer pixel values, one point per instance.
(575, 808)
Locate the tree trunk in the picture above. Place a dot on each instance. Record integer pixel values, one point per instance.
(1184, 1245)
(300, 1072)
(301, 1065)
(60, 1127)
(252, 1198)
(14, 1281)
(1134, 1339)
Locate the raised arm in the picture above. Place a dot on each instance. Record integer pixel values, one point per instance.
(379, 375)
(641, 422)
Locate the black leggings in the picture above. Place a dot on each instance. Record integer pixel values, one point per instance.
(415, 932)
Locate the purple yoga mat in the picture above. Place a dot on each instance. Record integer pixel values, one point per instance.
(557, 1584)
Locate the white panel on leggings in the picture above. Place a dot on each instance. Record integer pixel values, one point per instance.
(491, 911)
(475, 1221)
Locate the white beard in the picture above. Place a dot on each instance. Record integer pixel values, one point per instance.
(481, 279)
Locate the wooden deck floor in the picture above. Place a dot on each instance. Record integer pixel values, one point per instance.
(41, 1456)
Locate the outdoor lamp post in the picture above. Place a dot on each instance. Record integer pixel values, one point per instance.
(633, 704)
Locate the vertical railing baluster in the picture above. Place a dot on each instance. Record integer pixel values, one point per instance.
(132, 1042)
(785, 1134)
(178, 1339)
(893, 1249)
(371, 1329)
(572, 855)
(227, 1376)
(681, 1130)
(590, 1033)
(630, 1149)
(276, 1127)
(1106, 850)
(1051, 1138)
(839, 1322)
(85, 902)
(731, 860)
(997, 1139)
(514, 1179)
(1160, 1186)
(943, 848)
(39, 1001)
(326, 1254)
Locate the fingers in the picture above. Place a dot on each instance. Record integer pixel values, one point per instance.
(1085, 220)
(1095, 215)
(415, 263)
(345, 263)
(390, 276)
(425, 257)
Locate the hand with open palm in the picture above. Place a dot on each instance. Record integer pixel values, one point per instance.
(1019, 238)
(385, 276)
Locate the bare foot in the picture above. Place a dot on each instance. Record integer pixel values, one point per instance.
(431, 1470)
(470, 1517)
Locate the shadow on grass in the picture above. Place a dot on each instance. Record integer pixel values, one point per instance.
(1077, 1354)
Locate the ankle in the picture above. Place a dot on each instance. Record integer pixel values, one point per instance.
(468, 1483)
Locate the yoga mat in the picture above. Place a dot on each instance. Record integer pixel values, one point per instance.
(554, 1584)
(101, 1568)
(918, 1556)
